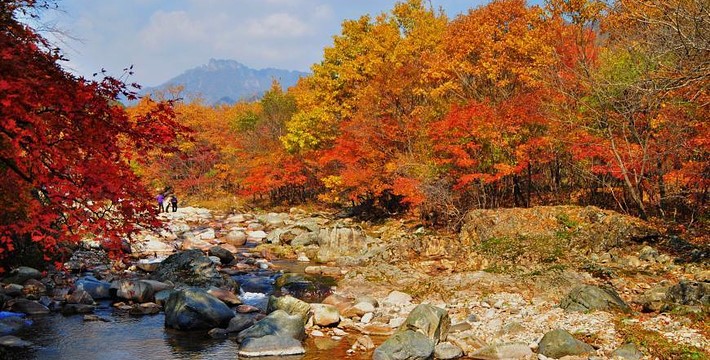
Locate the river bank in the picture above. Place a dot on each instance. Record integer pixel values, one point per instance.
(501, 291)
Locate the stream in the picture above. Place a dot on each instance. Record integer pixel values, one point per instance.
(123, 336)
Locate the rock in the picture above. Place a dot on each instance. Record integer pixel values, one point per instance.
(278, 323)
(13, 342)
(270, 345)
(359, 309)
(79, 297)
(467, 341)
(159, 285)
(367, 300)
(240, 322)
(92, 317)
(367, 318)
(377, 330)
(432, 321)
(397, 298)
(195, 309)
(290, 305)
(323, 270)
(192, 268)
(22, 274)
(236, 238)
(245, 309)
(325, 315)
(628, 352)
(447, 351)
(589, 298)
(218, 333)
(226, 296)
(256, 236)
(34, 288)
(689, 293)
(303, 258)
(405, 345)
(305, 239)
(364, 342)
(28, 307)
(255, 226)
(503, 351)
(559, 343)
(97, 289)
(134, 290)
(12, 290)
(224, 255)
(148, 308)
(151, 246)
(648, 253)
(654, 299)
(161, 297)
(148, 265)
(338, 301)
(340, 241)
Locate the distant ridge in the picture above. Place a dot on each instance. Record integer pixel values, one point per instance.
(228, 81)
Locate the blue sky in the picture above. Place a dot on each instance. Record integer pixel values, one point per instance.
(162, 38)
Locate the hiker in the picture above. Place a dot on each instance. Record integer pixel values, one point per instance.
(161, 199)
(173, 202)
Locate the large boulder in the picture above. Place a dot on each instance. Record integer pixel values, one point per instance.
(192, 268)
(134, 290)
(236, 237)
(503, 351)
(405, 345)
(195, 309)
(25, 306)
(22, 274)
(278, 323)
(689, 293)
(97, 289)
(340, 241)
(325, 315)
(270, 345)
(583, 227)
(291, 305)
(240, 322)
(225, 256)
(590, 298)
(432, 321)
(628, 351)
(558, 343)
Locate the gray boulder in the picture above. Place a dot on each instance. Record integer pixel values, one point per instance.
(689, 293)
(28, 307)
(134, 290)
(270, 345)
(405, 345)
(195, 309)
(97, 289)
(278, 323)
(447, 351)
(225, 256)
(628, 352)
(589, 298)
(559, 343)
(290, 305)
(240, 322)
(503, 351)
(22, 274)
(432, 321)
(192, 268)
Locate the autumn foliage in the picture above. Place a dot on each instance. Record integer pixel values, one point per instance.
(572, 102)
(65, 148)
(583, 101)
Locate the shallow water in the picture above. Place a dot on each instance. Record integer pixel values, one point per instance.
(130, 337)
(126, 337)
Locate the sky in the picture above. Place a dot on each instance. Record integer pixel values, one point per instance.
(163, 38)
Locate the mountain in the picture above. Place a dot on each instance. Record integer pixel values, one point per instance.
(228, 81)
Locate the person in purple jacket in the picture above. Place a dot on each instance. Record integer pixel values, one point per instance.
(161, 200)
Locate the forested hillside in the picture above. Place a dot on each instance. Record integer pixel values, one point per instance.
(575, 102)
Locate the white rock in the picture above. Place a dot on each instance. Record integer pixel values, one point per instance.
(397, 298)
(367, 318)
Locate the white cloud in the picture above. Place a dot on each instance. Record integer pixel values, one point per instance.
(280, 25)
